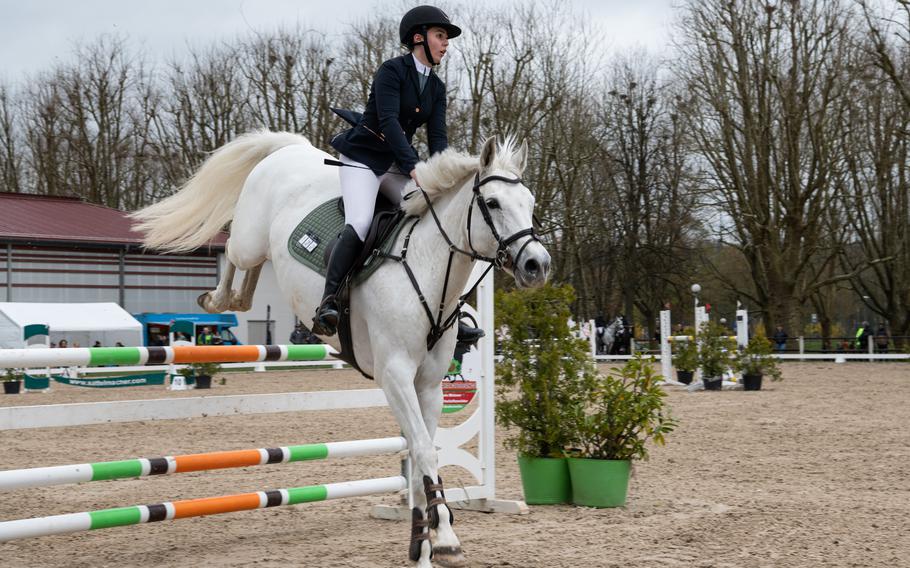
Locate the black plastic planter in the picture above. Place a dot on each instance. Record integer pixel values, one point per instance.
(713, 383)
(752, 382)
(685, 377)
(12, 387)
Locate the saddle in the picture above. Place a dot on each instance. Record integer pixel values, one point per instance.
(385, 226)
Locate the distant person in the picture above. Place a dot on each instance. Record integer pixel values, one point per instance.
(863, 333)
(118, 344)
(96, 344)
(882, 339)
(63, 344)
(206, 337)
(77, 344)
(780, 338)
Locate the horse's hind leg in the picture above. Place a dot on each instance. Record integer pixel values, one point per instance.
(243, 301)
(219, 299)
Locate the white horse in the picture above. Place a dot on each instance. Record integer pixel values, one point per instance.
(264, 183)
(606, 336)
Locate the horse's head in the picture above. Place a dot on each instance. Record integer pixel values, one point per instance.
(502, 215)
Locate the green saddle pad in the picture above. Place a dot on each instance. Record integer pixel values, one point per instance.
(310, 238)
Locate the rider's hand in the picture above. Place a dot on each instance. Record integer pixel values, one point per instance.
(414, 176)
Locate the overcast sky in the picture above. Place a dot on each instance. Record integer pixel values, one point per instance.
(36, 33)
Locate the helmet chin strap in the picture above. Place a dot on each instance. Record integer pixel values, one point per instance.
(426, 46)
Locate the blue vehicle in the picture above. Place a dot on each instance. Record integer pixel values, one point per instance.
(156, 327)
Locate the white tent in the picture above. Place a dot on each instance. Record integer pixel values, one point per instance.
(81, 324)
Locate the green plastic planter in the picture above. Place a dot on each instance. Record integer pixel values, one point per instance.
(599, 483)
(545, 481)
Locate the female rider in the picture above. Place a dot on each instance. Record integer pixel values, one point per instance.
(405, 95)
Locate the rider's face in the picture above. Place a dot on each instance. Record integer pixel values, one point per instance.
(438, 41)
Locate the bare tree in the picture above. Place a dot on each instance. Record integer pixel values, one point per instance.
(648, 184)
(10, 157)
(889, 44)
(45, 135)
(768, 82)
(203, 109)
(877, 196)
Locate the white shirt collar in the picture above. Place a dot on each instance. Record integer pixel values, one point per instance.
(421, 68)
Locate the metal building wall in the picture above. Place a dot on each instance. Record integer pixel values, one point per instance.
(138, 282)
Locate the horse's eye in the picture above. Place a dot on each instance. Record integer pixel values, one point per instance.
(493, 203)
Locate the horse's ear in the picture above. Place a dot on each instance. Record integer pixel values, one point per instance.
(522, 156)
(488, 153)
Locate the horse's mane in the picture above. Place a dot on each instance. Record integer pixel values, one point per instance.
(451, 169)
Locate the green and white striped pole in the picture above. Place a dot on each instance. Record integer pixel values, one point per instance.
(139, 514)
(141, 467)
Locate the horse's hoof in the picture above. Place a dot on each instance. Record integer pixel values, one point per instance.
(202, 300)
(449, 556)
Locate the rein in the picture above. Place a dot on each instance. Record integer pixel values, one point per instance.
(438, 326)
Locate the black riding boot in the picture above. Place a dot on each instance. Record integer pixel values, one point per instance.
(325, 322)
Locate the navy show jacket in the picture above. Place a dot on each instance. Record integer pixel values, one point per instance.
(395, 109)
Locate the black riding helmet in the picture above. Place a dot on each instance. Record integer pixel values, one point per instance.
(419, 20)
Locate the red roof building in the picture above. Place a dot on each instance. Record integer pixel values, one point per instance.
(44, 219)
(61, 249)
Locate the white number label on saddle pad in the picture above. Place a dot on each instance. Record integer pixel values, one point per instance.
(309, 242)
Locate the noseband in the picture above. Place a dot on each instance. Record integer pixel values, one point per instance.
(438, 326)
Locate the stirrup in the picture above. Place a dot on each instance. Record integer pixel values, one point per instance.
(468, 335)
(325, 313)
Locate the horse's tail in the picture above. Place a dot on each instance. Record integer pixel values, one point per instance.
(201, 208)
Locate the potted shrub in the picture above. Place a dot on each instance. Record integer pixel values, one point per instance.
(715, 349)
(615, 418)
(755, 360)
(538, 377)
(686, 360)
(203, 373)
(12, 381)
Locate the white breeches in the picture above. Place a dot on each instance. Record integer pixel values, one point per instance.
(359, 188)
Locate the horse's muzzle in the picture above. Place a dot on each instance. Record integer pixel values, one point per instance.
(533, 267)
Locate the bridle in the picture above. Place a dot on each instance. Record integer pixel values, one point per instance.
(438, 326)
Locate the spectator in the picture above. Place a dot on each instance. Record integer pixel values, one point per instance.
(862, 336)
(63, 344)
(206, 337)
(96, 344)
(77, 344)
(882, 339)
(118, 344)
(780, 338)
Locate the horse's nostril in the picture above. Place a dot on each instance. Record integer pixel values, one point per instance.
(531, 266)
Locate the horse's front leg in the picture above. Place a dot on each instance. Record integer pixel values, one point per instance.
(446, 546)
(397, 379)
